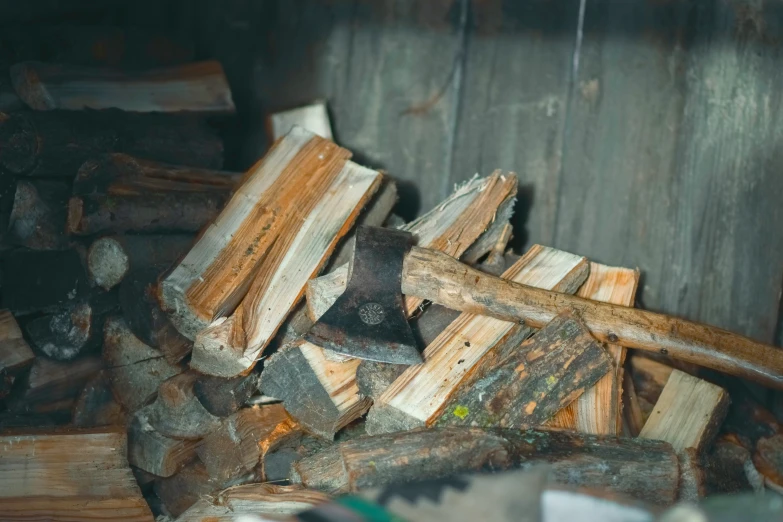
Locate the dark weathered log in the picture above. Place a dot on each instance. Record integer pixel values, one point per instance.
(52, 386)
(57, 143)
(96, 405)
(195, 87)
(527, 386)
(64, 335)
(729, 468)
(154, 453)
(38, 215)
(768, 459)
(237, 447)
(688, 413)
(373, 377)
(142, 312)
(185, 488)
(119, 193)
(42, 281)
(135, 369)
(222, 397)
(177, 413)
(15, 354)
(642, 469)
(276, 465)
(69, 475)
(109, 259)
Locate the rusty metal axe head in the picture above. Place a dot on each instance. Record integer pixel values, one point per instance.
(368, 321)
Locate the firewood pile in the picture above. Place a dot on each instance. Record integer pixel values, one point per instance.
(155, 357)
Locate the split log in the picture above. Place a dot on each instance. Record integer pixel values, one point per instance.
(633, 418)
(31, 285)
(182, 490)
(217, 272)
(276, 465)
(642, 469)
(239, 445)
(146, 319)
(195, 87)
(65, 335)
(96, 405)
(52, 386)
(253, 501)
(222, 397)
(649, 378)
(232, 345)
(177, 413)
(599, 409)
(313, 117)
(81, 475)
(15, 354)
(57, 143)
(688, 414)
(527, 386)
(135, 369)
(109, 259)
(321, 394)
(38, 215)
(418, 397)
(119, 193)
(152, 452)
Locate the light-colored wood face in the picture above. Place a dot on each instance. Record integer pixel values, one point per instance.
(313, 117)
(598, 410)
(688, 413)
(68, 476)
(14, 350)
(424, 389)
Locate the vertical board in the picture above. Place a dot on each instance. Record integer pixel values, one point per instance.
(514, 101)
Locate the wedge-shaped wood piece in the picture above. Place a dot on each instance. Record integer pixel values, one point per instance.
(15, 353)
(599, 409)
(135, 369)
(452, 228)
(642, 469)
(180, 491)
(96, 405)
(39, 214)
(418, 396)
(118, 193)
(313, 117)
(232, 345)
(57, 143)
(194, 87)
(222, 397)
(529, 385)
(177, 413)
(52, 386)
(154, 453)
(320, 393)
(244, 438)
(217, 272)
(688, 414)
(66, 476)
(252, 501)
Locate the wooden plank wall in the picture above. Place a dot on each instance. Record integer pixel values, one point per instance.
(645, 133)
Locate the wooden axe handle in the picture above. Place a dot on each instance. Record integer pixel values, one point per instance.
(442, 279)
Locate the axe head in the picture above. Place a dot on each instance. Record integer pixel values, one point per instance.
(368, 321)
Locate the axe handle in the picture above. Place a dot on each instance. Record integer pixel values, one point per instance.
(435, 276)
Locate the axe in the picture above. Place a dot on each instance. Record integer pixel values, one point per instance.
(368, 321)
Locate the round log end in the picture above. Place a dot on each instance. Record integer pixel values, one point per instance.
(107, 262)
(18, 144)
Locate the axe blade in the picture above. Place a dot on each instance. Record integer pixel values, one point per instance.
(368, 321)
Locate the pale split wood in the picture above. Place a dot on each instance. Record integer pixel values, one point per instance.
(417, 397)
(76, 475)
(232, 345)
(14, 350)
(217, 272)
(688, 414)
(313, 117)
(599, 409)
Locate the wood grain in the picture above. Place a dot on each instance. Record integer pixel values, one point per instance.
(418, 396)
(15, 353)
(313, 117)
(599, 409)
(39, 478)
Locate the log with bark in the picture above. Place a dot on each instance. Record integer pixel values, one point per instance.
(56, 143)
(599, 409)
(183, 489)
(333, 399)
(118, 193)
(222, 397)
(154, 453)
(96, 405)
(195, 87)
(64, 335)
(240, 443)
(69, 475)
(527, 386)
(38, 215)
(419, 396)
(642, 469)
(177, 413)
